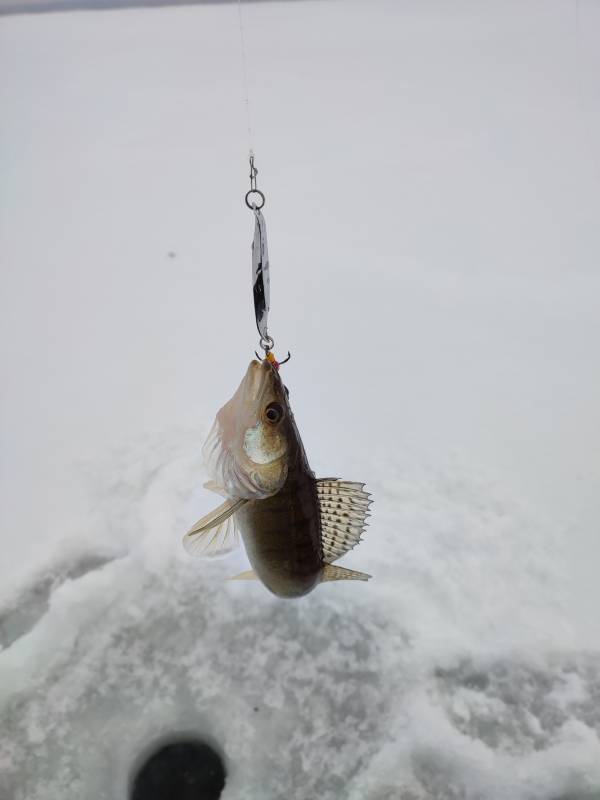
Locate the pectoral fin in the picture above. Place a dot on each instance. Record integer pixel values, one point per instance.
(335, 573)
(213, 486)
(215, 534)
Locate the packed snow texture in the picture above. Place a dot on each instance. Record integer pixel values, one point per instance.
(432, 179)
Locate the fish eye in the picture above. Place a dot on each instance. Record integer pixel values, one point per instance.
(273, 413)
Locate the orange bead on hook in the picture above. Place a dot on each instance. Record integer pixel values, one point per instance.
(272, 360)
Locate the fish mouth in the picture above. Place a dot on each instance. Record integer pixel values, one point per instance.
(261, 376)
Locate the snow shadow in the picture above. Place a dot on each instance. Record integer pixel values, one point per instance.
(31, 604)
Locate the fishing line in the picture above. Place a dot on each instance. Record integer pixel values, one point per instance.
(245, 75)
(255, 200)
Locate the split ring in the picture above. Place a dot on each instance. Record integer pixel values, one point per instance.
(253, 206)
(267, 342)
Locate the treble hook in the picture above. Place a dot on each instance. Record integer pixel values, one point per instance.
(273, 359)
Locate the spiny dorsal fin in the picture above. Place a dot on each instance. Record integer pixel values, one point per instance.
(343, 506)
(332, 572)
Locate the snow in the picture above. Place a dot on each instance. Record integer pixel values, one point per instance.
(432, 179)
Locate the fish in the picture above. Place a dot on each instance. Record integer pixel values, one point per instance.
(294, 526)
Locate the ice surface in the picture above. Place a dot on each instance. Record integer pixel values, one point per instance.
(431, 174)
(452, 674)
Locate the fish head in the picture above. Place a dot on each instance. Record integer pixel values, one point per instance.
(247, 451)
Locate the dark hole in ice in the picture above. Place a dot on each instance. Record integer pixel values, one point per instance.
(185, 770)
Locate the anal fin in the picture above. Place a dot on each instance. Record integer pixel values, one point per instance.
(331, 572)
(248, 575)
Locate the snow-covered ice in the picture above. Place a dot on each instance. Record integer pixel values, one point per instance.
(432, 181)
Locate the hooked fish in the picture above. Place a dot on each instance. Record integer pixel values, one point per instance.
(294, 526)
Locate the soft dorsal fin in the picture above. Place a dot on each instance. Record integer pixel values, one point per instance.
(331, 572)
(343, 506)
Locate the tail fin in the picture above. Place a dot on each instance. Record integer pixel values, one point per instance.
(335, 573)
